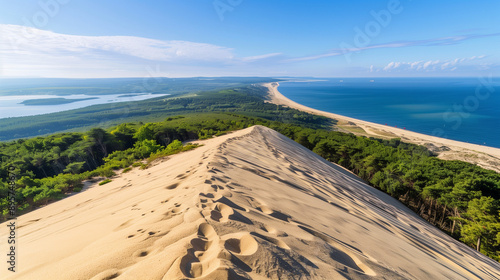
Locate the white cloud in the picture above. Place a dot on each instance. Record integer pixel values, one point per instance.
(349, 47)
(427, 64)
(415, 64)
(389, 66)
(430, 65)
(307, 58)
(26, 51)
(36, 41)
(259, 57)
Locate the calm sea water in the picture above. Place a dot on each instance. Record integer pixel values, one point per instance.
(464, 109)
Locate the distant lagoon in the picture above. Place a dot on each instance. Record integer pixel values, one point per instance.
(463, 109)
(11, 105)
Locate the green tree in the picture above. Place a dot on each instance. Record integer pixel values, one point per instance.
(145, 148)
(480, 223)
(124, 133)
(458, 197)
(74, 167)
(146, 132)
(39, 161)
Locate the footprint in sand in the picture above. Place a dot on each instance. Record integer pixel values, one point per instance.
(278, 242)
(275, 214)
(269, 229)
(264, 209)
(273, 231)
(241, 244)
(201, 259)
(173, 186)
(181, 176)
(140, 253)
(221, 212)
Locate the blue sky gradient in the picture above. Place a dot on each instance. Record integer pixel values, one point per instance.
(389, 38)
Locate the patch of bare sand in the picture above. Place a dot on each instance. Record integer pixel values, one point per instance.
(249, 205)
(484, 156)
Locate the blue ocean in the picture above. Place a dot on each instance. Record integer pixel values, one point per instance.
(463, 109)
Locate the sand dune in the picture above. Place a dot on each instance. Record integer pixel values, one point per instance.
(249, 205)
(484, 156)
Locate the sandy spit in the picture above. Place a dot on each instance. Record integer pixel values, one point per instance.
(484, 156)
(248, 205)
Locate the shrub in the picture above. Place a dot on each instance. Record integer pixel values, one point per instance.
(104, 182)
(127, 169)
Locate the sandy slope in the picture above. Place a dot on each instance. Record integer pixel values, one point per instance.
(249, 205)
(484, 156)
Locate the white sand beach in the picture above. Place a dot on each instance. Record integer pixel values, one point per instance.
(484, 156)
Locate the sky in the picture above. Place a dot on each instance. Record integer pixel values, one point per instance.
(188, 38)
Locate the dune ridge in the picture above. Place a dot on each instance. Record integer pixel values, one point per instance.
(252, 204)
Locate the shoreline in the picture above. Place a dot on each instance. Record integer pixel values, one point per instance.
(484, 156)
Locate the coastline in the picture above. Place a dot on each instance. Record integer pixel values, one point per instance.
(484, 156)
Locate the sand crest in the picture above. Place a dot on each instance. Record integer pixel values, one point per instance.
(248, 205)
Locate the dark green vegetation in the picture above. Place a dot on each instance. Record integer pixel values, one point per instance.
(155, 85)
(104, 182)
(460, 198)
(186, 97)
(52, 101)
(49, 167)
